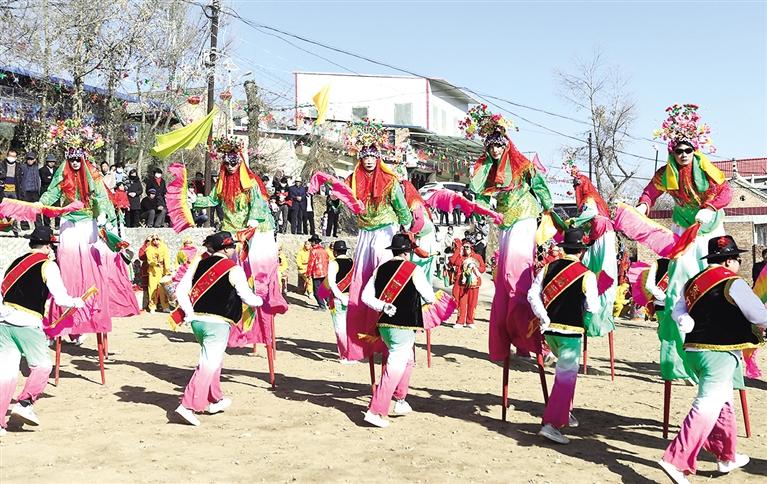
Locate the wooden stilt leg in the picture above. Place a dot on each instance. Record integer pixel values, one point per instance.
(100, 346)
(542, 374)
(666, 406)
(611, 340)
(744, 406)
(372, 363)
(106, 346)
(505, 398)
(58, 359)
(585, 354)
(274, 341)
(270, 359)
(255, 349)
(428, 348)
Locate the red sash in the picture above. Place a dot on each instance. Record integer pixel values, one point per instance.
(704, 282)
(397, 282)
(342, 285)
(562, 281)
(20, 269)
(663, 283)
(205, 282)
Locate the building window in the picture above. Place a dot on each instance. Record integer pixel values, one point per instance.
(760, 230)
(403, 114)
(359, 113)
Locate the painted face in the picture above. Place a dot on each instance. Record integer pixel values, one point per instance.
(496, 151)
(75, 164)
(232, 163)
(683, 154)
(369, 163)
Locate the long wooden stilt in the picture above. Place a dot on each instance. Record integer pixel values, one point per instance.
(744, 406)
(255, 349)
(106, 346)
(58, 359)
(666, 406)
(270, 359)
(505, 399)
(274, 341)
(611, 340)
(542, 374)
(428, 348)
(100, 346)
(372, 363)
(585, 353)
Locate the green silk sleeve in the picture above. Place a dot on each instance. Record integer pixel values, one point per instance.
(589, 212)
(207, 201)
(52, 194)
(258, 209)
(541, 191)
(399, 203)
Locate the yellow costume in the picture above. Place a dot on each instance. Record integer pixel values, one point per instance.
(158, 261)
(302, 260)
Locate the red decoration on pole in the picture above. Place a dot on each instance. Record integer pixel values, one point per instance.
(194, 100)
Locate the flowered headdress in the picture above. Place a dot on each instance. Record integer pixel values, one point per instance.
(225, 145)
(229, 187)
(585, 190)
(483, 123)
(366, 138)
(76, 139)
(682, 125)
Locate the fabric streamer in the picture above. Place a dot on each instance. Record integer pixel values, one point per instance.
(339, 189)
(447, 200)
(637, 276)
(546, 229)
(651, 234)
(177, 199)
(440, 311)
(749, 355)
(28, 211)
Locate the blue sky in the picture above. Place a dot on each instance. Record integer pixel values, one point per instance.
(710, 53)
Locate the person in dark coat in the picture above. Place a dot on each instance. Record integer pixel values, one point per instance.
(46, 175)
(134, 188)
(297, 195)
(28, 183)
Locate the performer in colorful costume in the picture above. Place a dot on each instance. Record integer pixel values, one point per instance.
(85, 260)
(243, 197)
(423, 229)
(720, 316)
(377, 187)
(211, 295)
(469, 267)
(564, 297)
(158, 261)
(601, 254)
(521, 192)
(26, 285)
(700, 193)
(395, 291)
(339, 279)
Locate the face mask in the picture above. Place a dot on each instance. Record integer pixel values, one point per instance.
(11, 159)
(158, 175)
(119, 170)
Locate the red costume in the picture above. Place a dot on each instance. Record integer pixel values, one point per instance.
(466, 282)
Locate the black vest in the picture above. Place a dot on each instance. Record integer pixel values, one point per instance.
(29, 291)
(344, 268)
(566, 310)
(220, 299)
(719, 324)
(408, 303)
(662, 269)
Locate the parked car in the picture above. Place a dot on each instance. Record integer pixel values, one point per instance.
(431, 187)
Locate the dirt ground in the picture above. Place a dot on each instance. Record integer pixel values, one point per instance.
(310, 428)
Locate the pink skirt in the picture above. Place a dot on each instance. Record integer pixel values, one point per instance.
(122, 299)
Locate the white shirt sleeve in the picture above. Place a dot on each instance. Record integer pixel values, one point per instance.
(4, 310)
(240, 283)
(534, 298)
(651, 287)
(591, 291)
(682, 317)
(369, 294)
(184, 286)
(332, 273)
(748, 302)
(423, 286)
(56, 285)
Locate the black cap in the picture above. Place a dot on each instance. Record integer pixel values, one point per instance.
(222, 240)
(50, 157)
(31, 155)
(315, 239)
(400, 242)
(573, 239)
(339, 246)
(152, 190)
(722, 247)
(42, 235)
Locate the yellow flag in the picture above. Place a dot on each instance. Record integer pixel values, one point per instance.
(187, 137)
(321, 101)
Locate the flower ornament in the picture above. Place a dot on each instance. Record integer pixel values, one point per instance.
(482, 122)
(366, 138)
(72, 136)
(722, 242)
(225, 146)
(683, 124)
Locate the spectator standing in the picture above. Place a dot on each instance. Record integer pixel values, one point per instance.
(157, 182)
(468, 267)
(46, 175)
(134, 189)
(333, 211)
(297, 195)
(317, 268)
(308, 216)
(121, 202)
(283, 202)
(119, 173)
(302, 261)
(28, 184)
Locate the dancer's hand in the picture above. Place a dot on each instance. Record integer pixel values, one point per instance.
(345, 300)
(78, 303)
(685, 323)
(705, 216)
(101, 220)
(390, 309)
(642, 208)
(544, 325)
(258, 302)
(252, 223)
(188, 318)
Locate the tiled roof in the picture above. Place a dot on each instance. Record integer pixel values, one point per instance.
(746, 167)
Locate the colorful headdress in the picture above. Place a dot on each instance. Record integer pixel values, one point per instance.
(223, 145)
(74, 138)
(366, 138)
(492, 127)
(682, 125)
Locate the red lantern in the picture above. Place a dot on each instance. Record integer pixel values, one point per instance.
(225, 96)
(194, 100)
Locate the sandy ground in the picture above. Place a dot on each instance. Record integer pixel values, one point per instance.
(310, 428)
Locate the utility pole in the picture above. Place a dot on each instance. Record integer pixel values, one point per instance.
(590, 162)
(254, 113)
(211, 11)
(656, 159)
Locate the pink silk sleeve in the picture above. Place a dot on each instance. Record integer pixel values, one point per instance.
(650, 194)
(718, 196)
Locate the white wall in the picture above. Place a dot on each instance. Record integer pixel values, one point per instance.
(444, 116)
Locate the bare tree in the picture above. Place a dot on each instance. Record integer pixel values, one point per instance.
(598, 89)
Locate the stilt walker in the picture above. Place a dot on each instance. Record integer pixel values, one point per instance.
(26, 285)
(396, 290)
(210, 297)
(521, 193)
(565, 299)
(720, 316)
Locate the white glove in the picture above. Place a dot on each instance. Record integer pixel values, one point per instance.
(685, 323)
(188, 318)
(544, 324)
(344, 299)
(705, 216)
(109, 227)
(658, 294)
(642, 208)
(252, 223)
(258, 302)
(390, 309)
(78, 303)
(101, 219)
